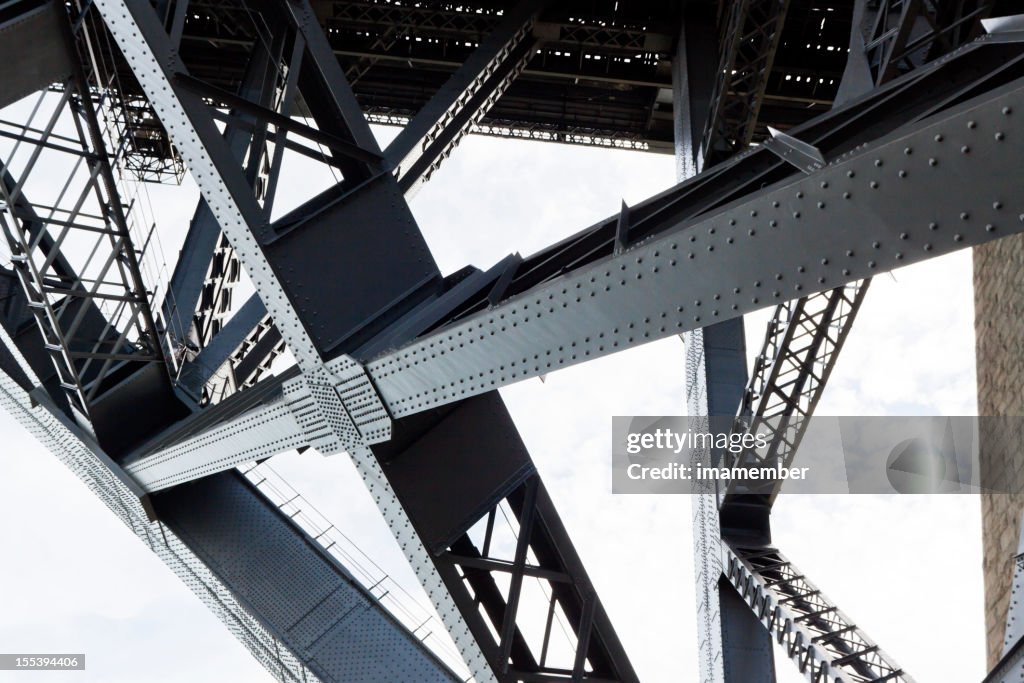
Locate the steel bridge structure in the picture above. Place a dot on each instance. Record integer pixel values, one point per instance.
(809, 137)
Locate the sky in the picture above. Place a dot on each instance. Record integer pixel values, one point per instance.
(907, 569)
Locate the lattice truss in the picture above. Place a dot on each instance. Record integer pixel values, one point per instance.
(395, 364)
(70, 235)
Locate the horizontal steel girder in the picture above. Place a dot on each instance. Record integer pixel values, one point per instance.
(871, 210)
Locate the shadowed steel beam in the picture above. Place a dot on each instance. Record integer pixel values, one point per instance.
(465, 98)
(327, 608)
(870, 210)
(197, 373)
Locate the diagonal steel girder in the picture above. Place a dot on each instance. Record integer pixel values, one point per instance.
(704, 252)
(938, 138)
(271, 632)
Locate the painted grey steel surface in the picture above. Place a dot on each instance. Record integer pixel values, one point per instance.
(742, 257)
(257, 434)
(734, 240)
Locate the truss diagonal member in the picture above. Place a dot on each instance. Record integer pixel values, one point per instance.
(429, 138)
(789, 375)
(825, 644)
(750, 39)
(466, 97)
(230, 196)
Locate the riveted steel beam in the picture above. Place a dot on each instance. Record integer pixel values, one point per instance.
(206, 268)
(697, 252)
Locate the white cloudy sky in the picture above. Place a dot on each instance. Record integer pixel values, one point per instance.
(906, 568)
